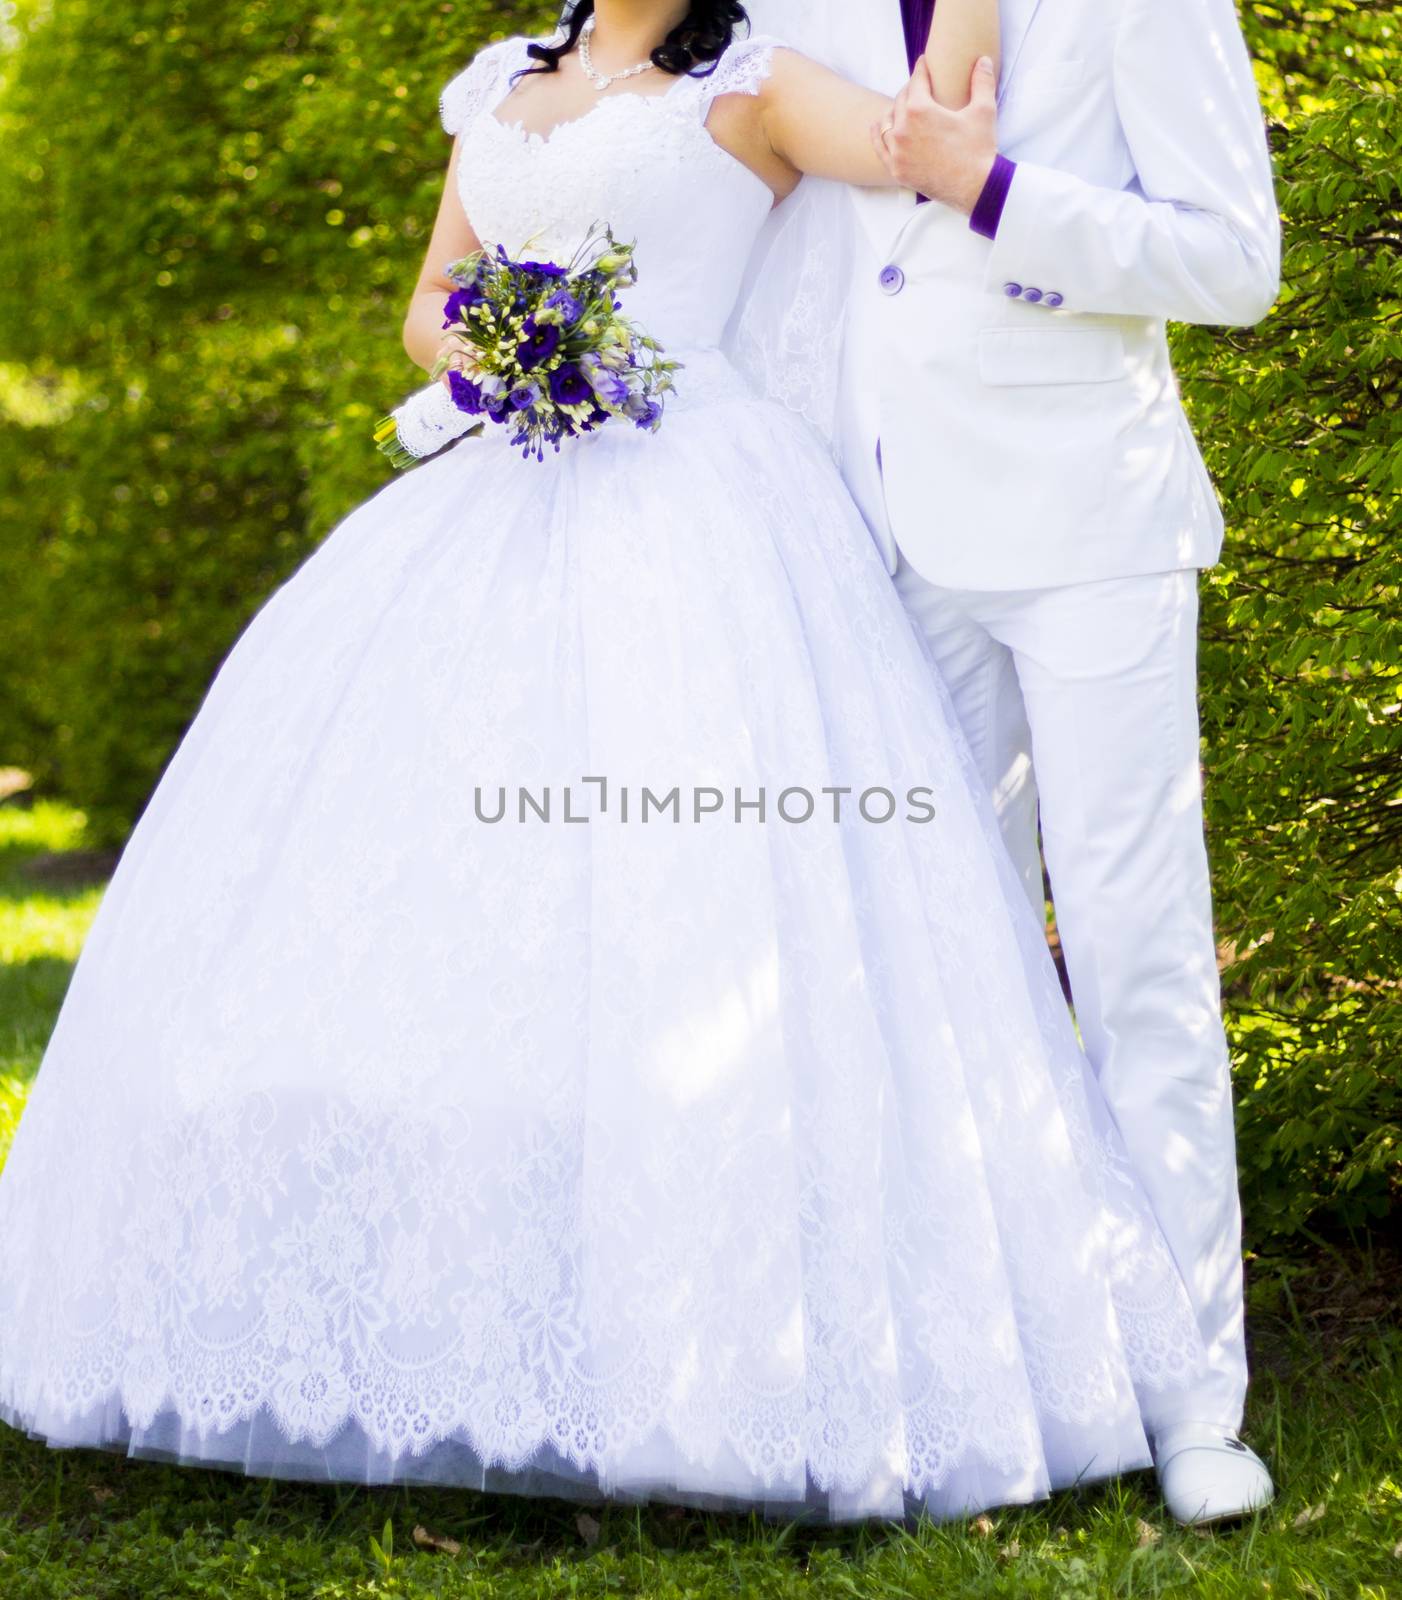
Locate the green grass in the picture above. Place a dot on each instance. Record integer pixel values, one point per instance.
(1326, 1408)
(44, 917)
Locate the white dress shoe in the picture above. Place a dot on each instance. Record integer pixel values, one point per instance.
(1208, 1475)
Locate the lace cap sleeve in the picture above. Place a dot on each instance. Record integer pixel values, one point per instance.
(478, 86)
(743, 68)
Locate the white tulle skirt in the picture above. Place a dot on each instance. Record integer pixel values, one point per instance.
(732, 1162)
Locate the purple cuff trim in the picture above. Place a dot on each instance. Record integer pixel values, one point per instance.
(988, 210)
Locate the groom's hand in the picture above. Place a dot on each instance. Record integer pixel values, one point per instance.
(944, 154)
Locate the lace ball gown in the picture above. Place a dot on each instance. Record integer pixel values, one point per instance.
(732, 1163)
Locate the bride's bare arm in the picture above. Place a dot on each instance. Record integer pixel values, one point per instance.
(807, 119)
(962, 32)
(453, 238)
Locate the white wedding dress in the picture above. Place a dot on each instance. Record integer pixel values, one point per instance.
(735, 1163)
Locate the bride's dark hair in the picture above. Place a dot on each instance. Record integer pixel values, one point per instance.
(700, 37)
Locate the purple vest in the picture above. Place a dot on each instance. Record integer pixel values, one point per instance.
(916, 14)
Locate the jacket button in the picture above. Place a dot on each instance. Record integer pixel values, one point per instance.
(1012, 290)
(1054, 299)
(1032, 296)
(892, 280)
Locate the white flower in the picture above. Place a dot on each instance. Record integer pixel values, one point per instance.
(296, 1321)
(311, 1396)
(336, 1243)
(216, 1261)
(145, 1383)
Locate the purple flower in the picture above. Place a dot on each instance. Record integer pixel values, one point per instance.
(569, 386)
(647, 416)
(542, 269)
(524, 395)
(565, 303)
(541, 342)
(467, 396)
(458, 302)
(609, 386)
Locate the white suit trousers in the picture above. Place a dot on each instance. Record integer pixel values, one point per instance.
(1082, 701)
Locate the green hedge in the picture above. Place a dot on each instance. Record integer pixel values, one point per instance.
(213, 213)
(212, 216)
(1302, 659)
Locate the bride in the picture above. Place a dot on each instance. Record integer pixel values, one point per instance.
(722, 1154)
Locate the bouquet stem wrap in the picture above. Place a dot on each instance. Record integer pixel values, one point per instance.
(427, 422)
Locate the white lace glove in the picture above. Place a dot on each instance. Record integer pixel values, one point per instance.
(428, 421)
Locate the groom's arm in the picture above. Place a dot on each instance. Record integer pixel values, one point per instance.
(1197, 239)
(1200, 240)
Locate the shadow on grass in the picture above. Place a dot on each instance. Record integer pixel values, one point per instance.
(519, 1545)
(44, 851)
(26, 870)
(1332, 1435)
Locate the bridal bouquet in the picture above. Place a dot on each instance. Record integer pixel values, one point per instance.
(551, 355)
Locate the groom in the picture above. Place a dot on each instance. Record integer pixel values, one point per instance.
(1006, 364)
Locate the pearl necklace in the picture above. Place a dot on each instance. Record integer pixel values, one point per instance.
(601, 80)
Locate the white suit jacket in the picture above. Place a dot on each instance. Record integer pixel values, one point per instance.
(1020, 390)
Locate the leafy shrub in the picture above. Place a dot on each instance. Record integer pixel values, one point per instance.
(1302, 657)
(213, 214)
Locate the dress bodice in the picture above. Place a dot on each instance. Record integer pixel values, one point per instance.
(644, 164)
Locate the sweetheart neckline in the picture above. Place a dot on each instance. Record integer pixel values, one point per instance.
(547, 136)
(530, 139)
